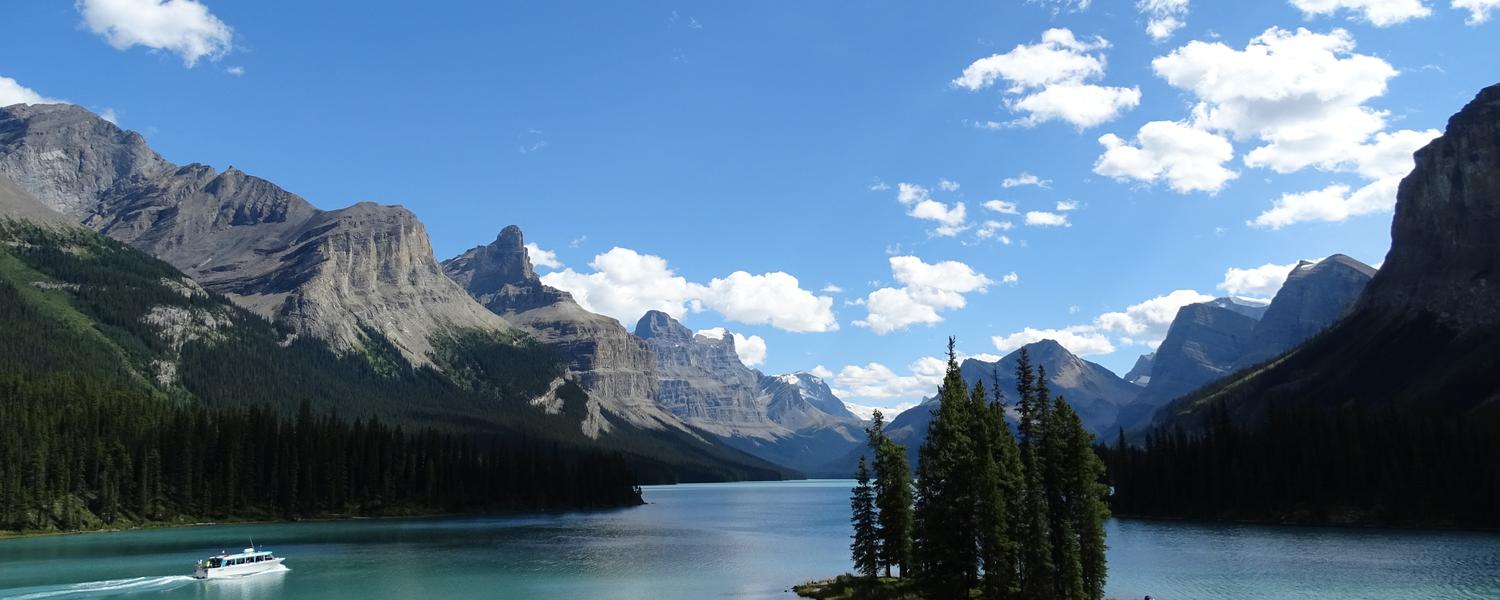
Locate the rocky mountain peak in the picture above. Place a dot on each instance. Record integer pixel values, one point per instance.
(657, 325)
(67, 157)
(1445, 254)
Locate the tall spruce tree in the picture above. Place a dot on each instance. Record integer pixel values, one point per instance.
(999, 510)
(866, 546)
(893, 498)
(1059, 480)
(1038, 577)
(1087, 496)
(946, 482)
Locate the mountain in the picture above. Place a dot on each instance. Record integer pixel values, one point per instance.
(335, 275)
(360, 280)
(1314, 295)
(1210, 340)
(1202, 345)
(1424, 336)
(1140, 374)
(792, 420)
(617, 369)
(1094, 391)
(16, 203)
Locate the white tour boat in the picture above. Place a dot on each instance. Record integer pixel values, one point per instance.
(249, 562)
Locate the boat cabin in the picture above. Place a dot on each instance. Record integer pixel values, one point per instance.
(248, 556)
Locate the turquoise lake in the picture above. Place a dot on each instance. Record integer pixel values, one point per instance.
(745, 540)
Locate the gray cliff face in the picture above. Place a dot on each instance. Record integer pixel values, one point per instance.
(1445, 237)
(17, 204)
(1201, 346)
(616, 368)
(1313, 297)
(330, 274)
(704, 383)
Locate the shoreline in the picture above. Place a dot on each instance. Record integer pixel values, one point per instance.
(15, 535)
(1307, 524)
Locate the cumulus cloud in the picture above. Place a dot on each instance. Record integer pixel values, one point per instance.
(926, 290)
(1380, 13)
(1331, 204)
(1300, 93)
(1163, 17)
(948, 186)
(1003, 207)
(1258, 282)
(1067, 205)
(1037, 218)
(12, 92)
(625, 284)
(183, 27)
(1080, 340)
(775, 299)
(821, 372)
(1188, 159)
(1149, 319)
(751, 349)
(1050, 80)
(877, 381)
(542, 258)
(950, 219)
(992, 230)
(1479, 10)
(832, 289)
(1026, 179)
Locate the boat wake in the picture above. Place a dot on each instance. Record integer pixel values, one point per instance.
(97, 589)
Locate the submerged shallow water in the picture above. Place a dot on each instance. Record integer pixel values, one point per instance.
(741, 540)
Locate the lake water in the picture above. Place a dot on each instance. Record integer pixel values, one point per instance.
(750, 540)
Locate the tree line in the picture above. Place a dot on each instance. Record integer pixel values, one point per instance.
(988, 513)
(1314, 465)
(78, 454)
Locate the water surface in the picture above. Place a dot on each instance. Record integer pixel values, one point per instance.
(744, 540)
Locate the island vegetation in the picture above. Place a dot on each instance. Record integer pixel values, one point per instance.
(990, 514)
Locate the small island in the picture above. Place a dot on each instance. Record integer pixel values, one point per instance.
(988, 515)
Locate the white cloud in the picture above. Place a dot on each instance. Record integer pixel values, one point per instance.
(751, 349)
(1078, 340)
(877, 381)
(1300, 93)
(1380, 13)
(1067, 205)
(183, 27)
(832, 289)
(1150, 318)
(1187, 158)
(1037, 218)
(950, 219)
(927, 289)
(625, 284)
(1390, 154)
(1002, 207)
(879, 186)
(992, 229)
(1259, 282)
(1163, 17)
(1333, 203)
(12, 92)
(542, 258)
(1026, 179)
(236, 71)
(1050, 81)
(1479, 10)
(948, 186)
(775, 299)
(1010, 278)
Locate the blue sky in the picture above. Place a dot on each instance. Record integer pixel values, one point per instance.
(772, 138)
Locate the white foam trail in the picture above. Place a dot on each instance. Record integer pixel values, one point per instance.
(97, 589)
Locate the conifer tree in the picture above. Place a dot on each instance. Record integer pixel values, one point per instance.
(1000, 492)
(1037, 569)
(893, 497)
(946, 485)
(1087, 496)
(866, 545)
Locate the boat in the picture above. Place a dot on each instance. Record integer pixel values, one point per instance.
(243, 564)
